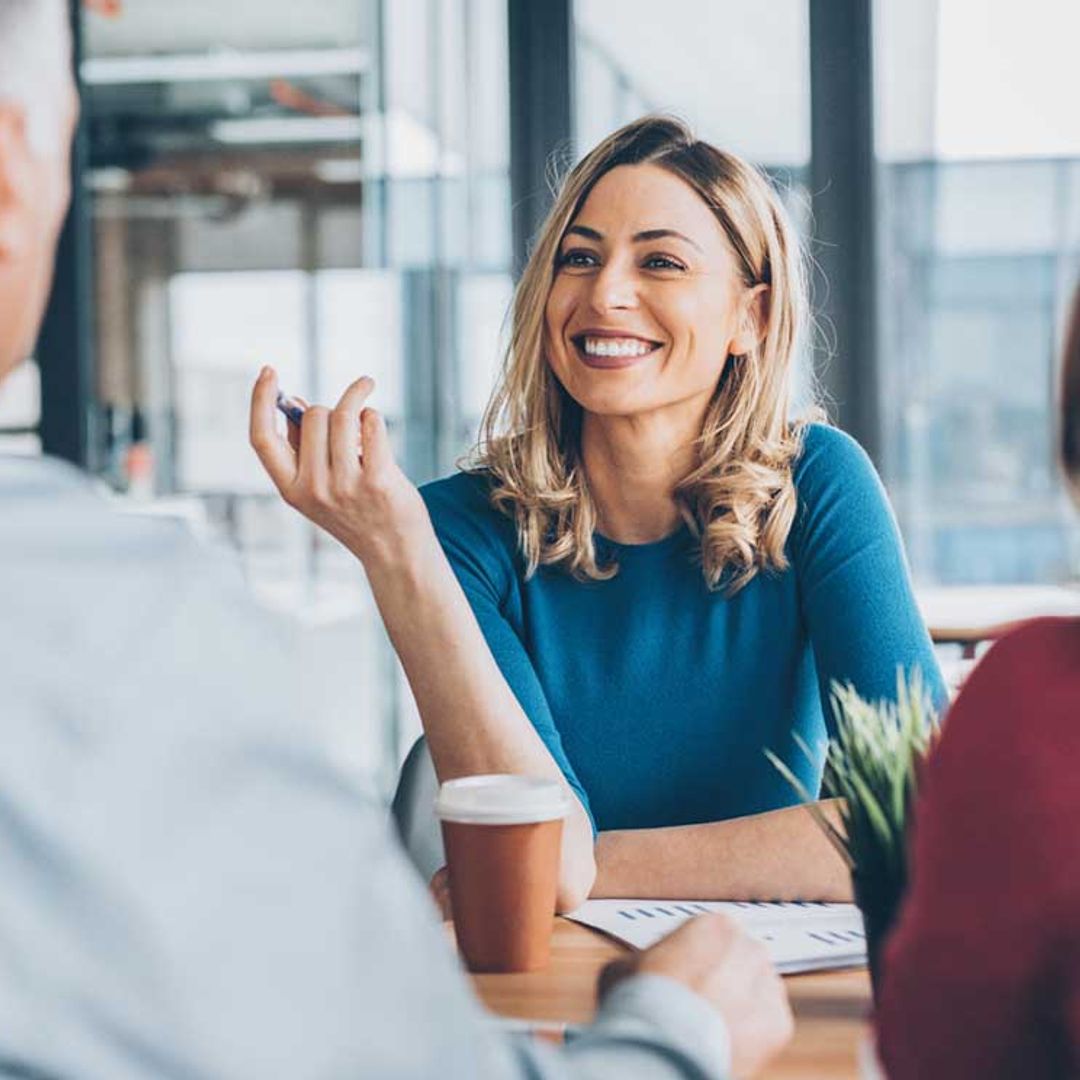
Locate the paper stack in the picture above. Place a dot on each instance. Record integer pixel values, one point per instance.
(801, 936)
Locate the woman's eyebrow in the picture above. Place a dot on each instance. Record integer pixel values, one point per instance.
(647, 234)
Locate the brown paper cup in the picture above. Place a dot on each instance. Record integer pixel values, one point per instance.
(503, 837)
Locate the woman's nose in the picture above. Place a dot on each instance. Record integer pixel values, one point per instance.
(614, 287)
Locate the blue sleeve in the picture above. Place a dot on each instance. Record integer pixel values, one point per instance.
(479, 544)
(854, 585)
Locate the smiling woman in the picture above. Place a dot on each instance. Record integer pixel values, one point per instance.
(649, 574)
(674, 264)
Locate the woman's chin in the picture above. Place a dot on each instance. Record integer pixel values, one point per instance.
(612, 401)
(617, 392)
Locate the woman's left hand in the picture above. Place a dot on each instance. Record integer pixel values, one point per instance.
(361, 498)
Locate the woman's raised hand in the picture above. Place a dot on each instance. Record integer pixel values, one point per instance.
(339, 470)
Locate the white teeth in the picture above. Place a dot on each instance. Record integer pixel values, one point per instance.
(616, 346)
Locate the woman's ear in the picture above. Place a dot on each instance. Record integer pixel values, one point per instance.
(753, 320)
(15, 158)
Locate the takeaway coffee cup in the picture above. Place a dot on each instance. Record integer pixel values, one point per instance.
(502, 836)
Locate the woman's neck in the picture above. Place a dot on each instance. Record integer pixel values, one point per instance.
(633, 464)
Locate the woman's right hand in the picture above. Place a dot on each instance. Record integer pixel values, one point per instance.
(362, 498)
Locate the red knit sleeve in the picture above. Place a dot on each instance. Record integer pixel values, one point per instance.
(972, 979)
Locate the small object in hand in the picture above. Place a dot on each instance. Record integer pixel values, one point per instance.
(291, 407)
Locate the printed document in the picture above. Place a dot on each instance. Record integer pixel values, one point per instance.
(801, 936)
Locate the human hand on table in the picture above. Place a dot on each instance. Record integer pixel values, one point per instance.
(733, 972)
(361, 498)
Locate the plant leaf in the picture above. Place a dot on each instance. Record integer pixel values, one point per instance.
(872, 763)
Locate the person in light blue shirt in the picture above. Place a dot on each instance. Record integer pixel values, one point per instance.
(657, 574)
(194, 884)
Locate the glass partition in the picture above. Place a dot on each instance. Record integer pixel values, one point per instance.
(328, 194)
(979, 151)
(738, 74)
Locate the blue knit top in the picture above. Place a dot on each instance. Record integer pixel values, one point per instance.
(657, 697)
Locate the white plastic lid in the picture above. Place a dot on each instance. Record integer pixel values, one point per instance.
(501, 800)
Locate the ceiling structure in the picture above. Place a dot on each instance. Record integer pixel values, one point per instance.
(185, 98)
(195, 26)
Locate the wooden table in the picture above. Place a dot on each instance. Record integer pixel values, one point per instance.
(830, 1008)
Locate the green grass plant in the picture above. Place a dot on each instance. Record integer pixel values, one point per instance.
(873, 764)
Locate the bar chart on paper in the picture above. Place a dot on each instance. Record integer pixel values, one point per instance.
(800, 936)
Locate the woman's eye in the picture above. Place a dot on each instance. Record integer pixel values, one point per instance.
(577, 259)
(662, 262)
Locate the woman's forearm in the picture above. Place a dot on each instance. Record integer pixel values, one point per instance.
(473, 722)
(780, 855)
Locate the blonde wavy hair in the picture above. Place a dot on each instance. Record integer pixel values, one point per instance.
(739, 500)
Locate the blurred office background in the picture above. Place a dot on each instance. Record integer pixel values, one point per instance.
(352, 189)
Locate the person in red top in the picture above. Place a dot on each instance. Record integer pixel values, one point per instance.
(982, 974)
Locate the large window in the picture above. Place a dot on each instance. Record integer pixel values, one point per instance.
(979, 145)
(326, 194)
(331, 194)
(738, 73)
